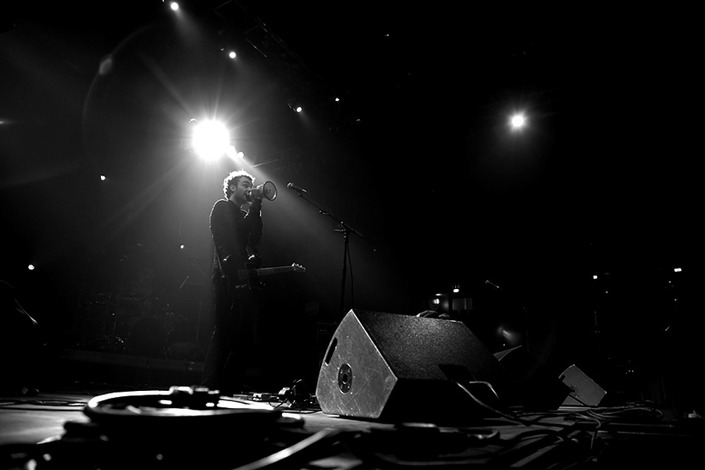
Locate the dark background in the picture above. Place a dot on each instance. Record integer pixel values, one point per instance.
(416, 157)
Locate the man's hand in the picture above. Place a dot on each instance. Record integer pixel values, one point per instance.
(253, 262)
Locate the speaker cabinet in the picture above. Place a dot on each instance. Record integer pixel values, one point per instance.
(399, 367)
(583, 390)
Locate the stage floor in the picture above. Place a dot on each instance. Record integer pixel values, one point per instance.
(111, 426)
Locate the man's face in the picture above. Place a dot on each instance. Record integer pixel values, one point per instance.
(240, 189)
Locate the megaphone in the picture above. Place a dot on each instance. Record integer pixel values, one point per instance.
(265, 190)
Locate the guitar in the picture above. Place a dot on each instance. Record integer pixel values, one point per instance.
(252, 275)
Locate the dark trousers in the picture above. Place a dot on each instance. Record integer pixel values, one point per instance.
(233, 340)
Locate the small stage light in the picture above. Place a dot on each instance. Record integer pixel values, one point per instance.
(295, 106)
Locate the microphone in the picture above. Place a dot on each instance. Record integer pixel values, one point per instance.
(296, 188)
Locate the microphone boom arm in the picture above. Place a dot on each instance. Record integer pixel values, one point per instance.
(345, 229)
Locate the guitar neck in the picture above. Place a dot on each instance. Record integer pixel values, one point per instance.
(245, 273)
(273, 270)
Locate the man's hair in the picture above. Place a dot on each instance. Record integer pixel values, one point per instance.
(234, 177)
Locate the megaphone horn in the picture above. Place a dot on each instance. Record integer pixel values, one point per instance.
(269, 190)
(266, 190)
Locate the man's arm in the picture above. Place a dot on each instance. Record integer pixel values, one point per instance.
(253, 219)
(224, 233)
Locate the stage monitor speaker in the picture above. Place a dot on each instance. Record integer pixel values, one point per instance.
(583, 390)
(400, 367)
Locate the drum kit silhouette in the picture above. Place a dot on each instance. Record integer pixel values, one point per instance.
(145, 318)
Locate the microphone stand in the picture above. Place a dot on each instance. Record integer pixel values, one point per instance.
(345, 229)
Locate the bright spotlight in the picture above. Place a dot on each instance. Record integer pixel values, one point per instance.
(517, 121)
(174, 6)
(211, 140)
